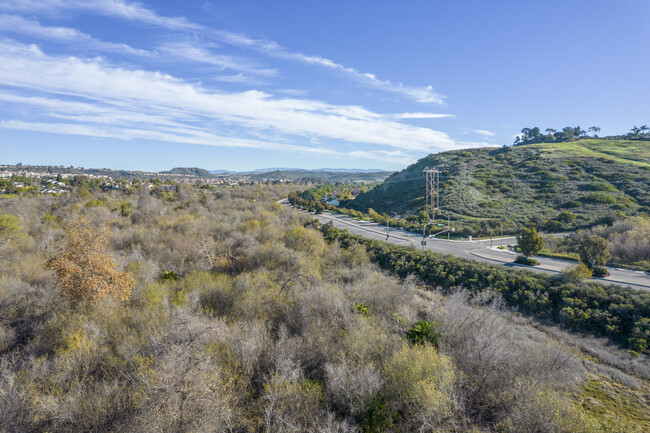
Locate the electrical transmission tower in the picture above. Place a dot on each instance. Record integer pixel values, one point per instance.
(433, 190)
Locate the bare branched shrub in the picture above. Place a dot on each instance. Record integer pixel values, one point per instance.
(292, 403)
(351, 387)
(383, 295)
(85, 270)
(493, 357)
(186, 392)
(536, 409)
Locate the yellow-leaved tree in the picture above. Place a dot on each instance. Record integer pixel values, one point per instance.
(84, 267)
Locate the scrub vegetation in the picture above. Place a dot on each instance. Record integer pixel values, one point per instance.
(222, 311)
(557, 186)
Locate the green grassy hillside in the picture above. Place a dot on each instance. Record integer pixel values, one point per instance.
(557, 185)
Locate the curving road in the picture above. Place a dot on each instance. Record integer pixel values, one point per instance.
(480, 250)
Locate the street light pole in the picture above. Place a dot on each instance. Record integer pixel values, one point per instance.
(387, 221)
(448, 227)
(424, 227)
(423, 238)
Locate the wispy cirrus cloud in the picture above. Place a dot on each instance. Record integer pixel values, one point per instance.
(171, 51)
(419, 94)
(422, 116)
(485, 132)
(136, 103)
(115, 8)
(240, 79)
(137, 12)
(30, 27)
(171, 136)
(191, 51)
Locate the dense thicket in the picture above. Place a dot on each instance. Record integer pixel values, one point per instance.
(619, 313)
(241, 319)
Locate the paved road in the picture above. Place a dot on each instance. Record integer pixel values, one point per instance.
(479, 250)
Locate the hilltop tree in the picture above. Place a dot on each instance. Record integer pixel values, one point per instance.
(638, 131)
(568, 133)
(84, 267)
(595, 130)
(529, 241)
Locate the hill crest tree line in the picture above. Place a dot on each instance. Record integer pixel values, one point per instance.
(569, 133)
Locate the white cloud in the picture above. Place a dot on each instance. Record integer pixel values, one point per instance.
(177, 51)
(136, 12)
(418, 94)
(167, 108)
(171, 135)
(396, 157)
(190, 51)
(30, 27)
(421, 116)
(115, 8)
(485, 132)
(241, 79)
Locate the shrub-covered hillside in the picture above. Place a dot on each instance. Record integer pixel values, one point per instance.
(194, 310)
(557, 185)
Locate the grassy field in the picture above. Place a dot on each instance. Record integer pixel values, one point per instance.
(624, 151)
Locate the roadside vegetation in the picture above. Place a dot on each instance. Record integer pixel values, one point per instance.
(221, 310)
(619, 313)
(627, 242)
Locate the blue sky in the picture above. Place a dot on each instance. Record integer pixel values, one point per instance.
(366, 84)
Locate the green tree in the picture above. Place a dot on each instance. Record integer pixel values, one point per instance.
(595, 130)
(529, 241)
(594, 251)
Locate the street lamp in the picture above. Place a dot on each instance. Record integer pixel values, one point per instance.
(501, 223)
(448, 226)
(388, 220)
(424, 227)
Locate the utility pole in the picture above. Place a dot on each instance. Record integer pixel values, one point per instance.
(432, 195)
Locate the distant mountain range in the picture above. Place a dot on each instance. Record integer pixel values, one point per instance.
(189, 171)
(324, 175)
(318, 170)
